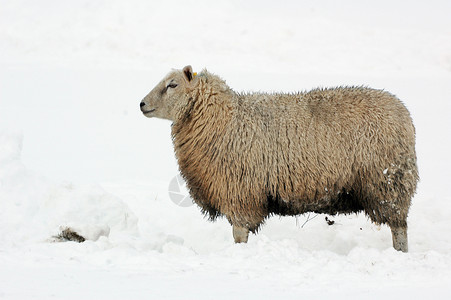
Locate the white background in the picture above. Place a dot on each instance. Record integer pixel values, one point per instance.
(76, 151)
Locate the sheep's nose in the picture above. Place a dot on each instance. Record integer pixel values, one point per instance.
(142, 104)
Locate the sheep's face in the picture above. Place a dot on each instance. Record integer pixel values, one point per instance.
(169, 95)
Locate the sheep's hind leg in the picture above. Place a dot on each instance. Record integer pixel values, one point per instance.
(240, 234)
(399, 236)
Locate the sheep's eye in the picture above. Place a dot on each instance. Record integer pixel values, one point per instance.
(172, 85)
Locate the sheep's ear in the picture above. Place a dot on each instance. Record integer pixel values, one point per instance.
(188, 71)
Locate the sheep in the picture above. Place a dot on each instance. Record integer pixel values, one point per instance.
(247, 156)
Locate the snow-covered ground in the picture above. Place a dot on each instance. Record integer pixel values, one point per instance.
(75, 150)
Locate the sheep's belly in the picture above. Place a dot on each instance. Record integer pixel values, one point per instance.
(343, 203)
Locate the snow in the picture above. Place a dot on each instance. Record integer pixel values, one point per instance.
(76, 152)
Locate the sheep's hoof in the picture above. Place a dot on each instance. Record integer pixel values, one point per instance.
(240, 234)
(399, 236)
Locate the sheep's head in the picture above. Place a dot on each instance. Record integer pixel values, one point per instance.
(170, 95)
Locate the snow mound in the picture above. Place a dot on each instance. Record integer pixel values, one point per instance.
(33, 209)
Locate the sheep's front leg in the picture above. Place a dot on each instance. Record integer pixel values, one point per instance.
(399, 236)
(240, 234)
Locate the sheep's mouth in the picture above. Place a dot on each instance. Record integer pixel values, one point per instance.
(148, 111)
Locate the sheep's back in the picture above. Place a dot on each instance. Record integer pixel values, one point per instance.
(306, 145)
